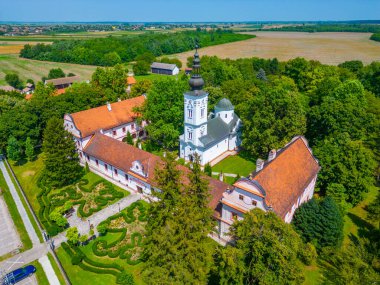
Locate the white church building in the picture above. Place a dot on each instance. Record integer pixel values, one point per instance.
(212, 135)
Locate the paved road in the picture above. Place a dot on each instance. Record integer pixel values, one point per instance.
(95, 219)
(9, 238)
(49, 271)
(24, 216)
(25, 257)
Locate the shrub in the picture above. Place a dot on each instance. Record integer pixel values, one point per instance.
(308, 254)
(76, 259)
(125, 278)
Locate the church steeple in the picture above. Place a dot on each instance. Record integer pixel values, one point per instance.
(196, 81)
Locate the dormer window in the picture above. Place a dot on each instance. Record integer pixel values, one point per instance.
(225, 116)
(254, 202)
(190, 113)
(190, 135)
(114, 133)
(241, 197)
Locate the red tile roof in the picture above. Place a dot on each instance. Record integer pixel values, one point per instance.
(285, 178)
(121, 155)
(131, 80)
(95, 119)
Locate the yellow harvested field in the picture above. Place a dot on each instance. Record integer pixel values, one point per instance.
(14, 47)
(328, 48)
(10, 49)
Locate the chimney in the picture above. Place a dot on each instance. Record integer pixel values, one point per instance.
(272, 155)
(259, 164)
(139, 145)
(109, 106)
(118, 100)
(221, 176)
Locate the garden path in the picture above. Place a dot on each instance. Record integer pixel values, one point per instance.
(95, 219)
(49, 271)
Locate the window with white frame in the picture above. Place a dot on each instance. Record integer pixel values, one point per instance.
(190, 113)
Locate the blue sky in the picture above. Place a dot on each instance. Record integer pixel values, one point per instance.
(188, 10)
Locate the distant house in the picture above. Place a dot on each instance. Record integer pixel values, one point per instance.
(64, 82)
(164, 68)
(188, 70)
(28, 89)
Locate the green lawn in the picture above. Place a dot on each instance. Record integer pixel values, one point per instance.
(56, 269)
(27, 174)
(40, 273)
(78, 276)
(356, 217)
(15, 215)
(235, 164)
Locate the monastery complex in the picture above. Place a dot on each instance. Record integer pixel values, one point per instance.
(280, 184)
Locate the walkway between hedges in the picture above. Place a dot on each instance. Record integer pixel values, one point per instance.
(95, 219)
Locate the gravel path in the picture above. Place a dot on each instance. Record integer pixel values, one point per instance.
(95, 219)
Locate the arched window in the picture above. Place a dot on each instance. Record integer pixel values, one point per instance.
(190, 113)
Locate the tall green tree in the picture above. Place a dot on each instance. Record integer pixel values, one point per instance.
(56, 73)
(319, 222)
(164, 110)
(112, 79)
(13, 80)
(178, 250)
(345, 162)
(342, 110)
(268, 248)
(271, 119)
(60, 155)
(13, 149)
(29, 149)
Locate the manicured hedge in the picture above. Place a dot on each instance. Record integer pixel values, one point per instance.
(50, 202)
(136, 238)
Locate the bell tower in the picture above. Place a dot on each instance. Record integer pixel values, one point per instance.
(195, 111)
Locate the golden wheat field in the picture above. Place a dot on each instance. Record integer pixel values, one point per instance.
(328, 48)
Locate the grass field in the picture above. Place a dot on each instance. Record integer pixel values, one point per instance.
(328, 48)
(34, 69)
(56, 269)
(235, 164)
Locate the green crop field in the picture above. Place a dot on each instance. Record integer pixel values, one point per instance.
(35, 69)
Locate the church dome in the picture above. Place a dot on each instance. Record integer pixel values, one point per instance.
(224, 105)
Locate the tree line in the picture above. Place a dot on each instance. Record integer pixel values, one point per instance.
(112, 50)
(342, 27)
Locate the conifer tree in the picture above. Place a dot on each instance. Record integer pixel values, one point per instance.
(177, 248)
(13, 149)
(319, 222)
(29, 149)
(61, 158)
(129, 138)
